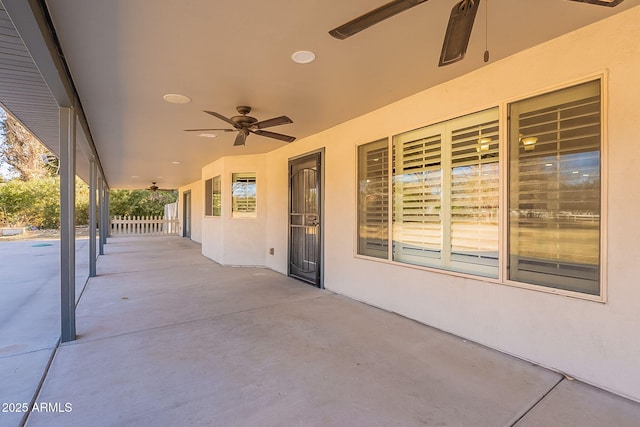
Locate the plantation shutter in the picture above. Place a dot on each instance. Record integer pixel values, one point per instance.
(244, 194)
(208, 205)
(474, 193)
(216, 197)
(555, 191)
(417, 228)
(373, 199)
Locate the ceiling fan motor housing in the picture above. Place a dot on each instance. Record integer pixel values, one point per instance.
(244, 121)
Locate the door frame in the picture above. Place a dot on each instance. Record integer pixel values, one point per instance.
(186, 211)
(319, 153)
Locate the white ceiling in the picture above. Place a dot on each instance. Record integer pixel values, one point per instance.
(124, 55)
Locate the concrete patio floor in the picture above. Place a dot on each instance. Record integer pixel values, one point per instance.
(30, 315)
(167, 337)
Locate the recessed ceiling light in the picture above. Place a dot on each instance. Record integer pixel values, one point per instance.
(303, 56)
(175, 163)
(176, 98)
(160, 177)
(208, 135)
(135, 176)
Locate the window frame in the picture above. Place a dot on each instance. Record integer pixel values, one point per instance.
(218, 179)
(358, 238)
(503, 184)
(208, 198)
(248, 214)
(602, 297)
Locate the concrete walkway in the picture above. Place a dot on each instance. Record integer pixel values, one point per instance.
(170, 338)
(30, 315)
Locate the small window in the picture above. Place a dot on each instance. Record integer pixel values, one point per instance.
(207, 197)
(243, 195)
(373, 199)
(555, 187)
(216, 196)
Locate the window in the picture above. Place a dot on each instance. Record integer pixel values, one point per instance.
(216, 196)
(373, 199)
(212, 197)
(208, 184)
(446, 190)
(554, 195)
(243, 195)
(446, 193)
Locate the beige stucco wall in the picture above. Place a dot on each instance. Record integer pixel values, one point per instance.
(592, 341)
(237, 241)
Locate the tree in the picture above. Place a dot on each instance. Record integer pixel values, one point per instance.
(37, 203)
(26, 156)
(139, 202)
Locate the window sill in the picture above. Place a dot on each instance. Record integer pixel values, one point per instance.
(538, 288)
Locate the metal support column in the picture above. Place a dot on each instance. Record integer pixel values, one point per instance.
(92, 218)
(107, 215)
(67, 224)
(101, 226)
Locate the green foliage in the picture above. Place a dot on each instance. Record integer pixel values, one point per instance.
(37, 203)
(140, 202)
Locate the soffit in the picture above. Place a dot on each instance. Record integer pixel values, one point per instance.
(25, 95)
(22, 89)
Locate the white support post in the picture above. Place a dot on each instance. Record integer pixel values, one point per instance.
(67, 224)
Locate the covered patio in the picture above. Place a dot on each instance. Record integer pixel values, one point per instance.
(211, 328)
(169, 337)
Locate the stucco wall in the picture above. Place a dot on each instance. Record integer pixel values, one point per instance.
(237, 241)
(595, 342)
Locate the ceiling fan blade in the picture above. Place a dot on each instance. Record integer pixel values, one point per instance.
(276, 121)
(221, 117)
(610, 3)
(210, 130)
(274, 135)
(240, 139)
(375, 16)
(458, 32)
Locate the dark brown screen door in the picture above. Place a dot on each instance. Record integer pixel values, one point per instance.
(305, 224)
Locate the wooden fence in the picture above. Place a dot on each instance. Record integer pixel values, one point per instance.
(139, 225)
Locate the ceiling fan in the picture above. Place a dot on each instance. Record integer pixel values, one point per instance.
(244, 125)
(154, 188)
(458, 32)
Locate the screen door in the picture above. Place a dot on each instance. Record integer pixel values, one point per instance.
(305, 220)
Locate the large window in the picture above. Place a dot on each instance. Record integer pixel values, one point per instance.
(373, 199)
(554, 197)
(243, 195)
(446, 193)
